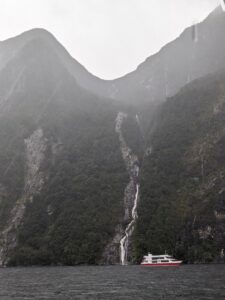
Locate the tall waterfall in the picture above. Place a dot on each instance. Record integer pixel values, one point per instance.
(129, 230)
(131, 194)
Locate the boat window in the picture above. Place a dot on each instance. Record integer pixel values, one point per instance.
(164, 260)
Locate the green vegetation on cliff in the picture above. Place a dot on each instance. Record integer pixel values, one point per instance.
(182, 207)
(71, 180)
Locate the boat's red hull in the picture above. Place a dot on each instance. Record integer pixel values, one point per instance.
(162, 265)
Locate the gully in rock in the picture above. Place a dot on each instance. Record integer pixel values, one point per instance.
(35, 147)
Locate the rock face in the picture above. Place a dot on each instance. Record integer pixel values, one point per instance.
(111, 253)
(35, 147)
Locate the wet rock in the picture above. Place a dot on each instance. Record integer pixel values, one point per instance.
(35, 147)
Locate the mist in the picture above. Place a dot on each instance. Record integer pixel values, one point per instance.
(110, 38)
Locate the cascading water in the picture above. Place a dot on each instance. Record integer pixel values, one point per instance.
(118, 249)
(124, 242)
(131, 194)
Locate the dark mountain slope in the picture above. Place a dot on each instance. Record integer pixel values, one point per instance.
(62, 175)
(182, 208)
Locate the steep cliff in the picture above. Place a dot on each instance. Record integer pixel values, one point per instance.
(35, 147)
(182, 178)
(62, 174)
(85, 179)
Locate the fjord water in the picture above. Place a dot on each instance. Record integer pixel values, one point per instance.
(194, 282)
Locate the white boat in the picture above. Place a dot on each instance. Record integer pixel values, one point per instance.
(160, 261)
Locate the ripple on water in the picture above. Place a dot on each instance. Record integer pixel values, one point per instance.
(113, 282)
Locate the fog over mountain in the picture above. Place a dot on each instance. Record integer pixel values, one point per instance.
(120, 33)
(100, 171)
(160, 76)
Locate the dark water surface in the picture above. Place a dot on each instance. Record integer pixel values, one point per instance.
(114, 282)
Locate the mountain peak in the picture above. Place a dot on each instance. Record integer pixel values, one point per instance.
(39, 32)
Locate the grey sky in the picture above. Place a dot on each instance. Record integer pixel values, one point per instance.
(109, 37)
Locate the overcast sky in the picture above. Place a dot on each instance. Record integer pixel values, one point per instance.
(109, 37)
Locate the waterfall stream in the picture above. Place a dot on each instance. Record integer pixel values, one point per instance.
(131, 193)
(129, 230)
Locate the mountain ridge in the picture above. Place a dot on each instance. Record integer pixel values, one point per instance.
(71, 146)
(114, 88)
